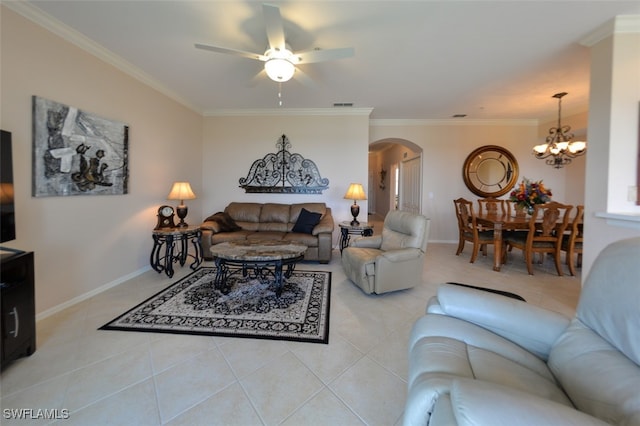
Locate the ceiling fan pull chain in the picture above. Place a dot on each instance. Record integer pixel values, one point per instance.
(280, 94)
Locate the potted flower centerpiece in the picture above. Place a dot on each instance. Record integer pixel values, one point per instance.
(527, 194)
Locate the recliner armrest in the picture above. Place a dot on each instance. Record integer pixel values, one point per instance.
(401, 255)
(476, 402)
(534, 328)
(367, 242)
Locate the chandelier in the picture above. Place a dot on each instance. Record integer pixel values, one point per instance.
(559, 144)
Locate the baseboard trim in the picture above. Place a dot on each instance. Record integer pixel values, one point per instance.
(54, 310)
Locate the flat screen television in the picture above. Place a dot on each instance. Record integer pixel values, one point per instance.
(7, 207)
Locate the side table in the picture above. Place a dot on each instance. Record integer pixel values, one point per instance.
(347, 229)
(176, 248)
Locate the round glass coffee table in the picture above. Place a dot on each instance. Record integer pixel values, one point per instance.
(258, 259)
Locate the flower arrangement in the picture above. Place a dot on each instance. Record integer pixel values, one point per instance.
(529, 193)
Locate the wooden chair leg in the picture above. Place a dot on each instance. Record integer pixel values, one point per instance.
(460, 246)
(558, 261)
(474, 255)
(528, 257)
(570, 264)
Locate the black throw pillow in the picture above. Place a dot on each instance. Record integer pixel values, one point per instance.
(306, 221)
(224, 221)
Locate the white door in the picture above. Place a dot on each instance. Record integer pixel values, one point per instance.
(411, 185)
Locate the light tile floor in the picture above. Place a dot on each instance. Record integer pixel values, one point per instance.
(129, 378)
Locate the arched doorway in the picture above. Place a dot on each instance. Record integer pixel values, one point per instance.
(395, 176)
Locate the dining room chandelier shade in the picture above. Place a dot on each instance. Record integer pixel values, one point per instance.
(559, 144)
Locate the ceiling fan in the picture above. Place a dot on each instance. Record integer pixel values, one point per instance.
(279, 61)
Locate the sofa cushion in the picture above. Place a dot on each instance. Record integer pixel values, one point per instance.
(274, 213)
(223, 237)
(597, 377)
(306, 221)
(266, 235)
(244, 212)
(306, 239)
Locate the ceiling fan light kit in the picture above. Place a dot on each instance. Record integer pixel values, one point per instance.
(279, 69)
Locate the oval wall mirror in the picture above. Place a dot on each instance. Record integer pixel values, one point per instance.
(490, 171)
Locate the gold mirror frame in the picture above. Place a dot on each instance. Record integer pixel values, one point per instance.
(490, 171)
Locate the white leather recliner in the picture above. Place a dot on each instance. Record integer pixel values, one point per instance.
(391, 261)
(484, 359)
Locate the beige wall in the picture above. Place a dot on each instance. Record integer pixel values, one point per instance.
(337, 142)
(83, 244)
(445, 148)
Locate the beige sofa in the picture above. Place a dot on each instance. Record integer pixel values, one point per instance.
(271, 221)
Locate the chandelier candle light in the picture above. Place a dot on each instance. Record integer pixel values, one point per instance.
(560, 143)
(181, 191)
(355, 192)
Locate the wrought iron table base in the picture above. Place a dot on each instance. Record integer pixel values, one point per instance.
(254, 269)
(161, 263)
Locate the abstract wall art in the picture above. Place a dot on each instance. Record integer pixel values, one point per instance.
(76, 152)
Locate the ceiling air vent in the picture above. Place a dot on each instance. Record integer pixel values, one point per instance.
(343, 104)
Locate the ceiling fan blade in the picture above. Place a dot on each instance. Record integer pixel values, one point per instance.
(303, 78)
(258, 78)
(275, 28)
(320, 55)
(242, 53)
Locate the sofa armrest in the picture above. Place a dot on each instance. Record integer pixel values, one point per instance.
(534, 328)
(475, 402)
(211, 226)
(326, 225)
(367, 242)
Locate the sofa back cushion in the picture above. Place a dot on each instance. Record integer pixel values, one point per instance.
(244, 212)
(274, 213)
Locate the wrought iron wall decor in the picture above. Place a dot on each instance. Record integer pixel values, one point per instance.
(284, 172)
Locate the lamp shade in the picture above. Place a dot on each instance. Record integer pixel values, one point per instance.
(355, 192)
(181, 191)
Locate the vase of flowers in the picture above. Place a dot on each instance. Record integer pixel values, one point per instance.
(527, 194)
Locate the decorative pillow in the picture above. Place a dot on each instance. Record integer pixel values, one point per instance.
(224, 221)
(306, 221)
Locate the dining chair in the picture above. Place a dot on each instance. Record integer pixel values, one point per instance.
(572, 241)
(469, 230)
(491, 205)
(546, 228)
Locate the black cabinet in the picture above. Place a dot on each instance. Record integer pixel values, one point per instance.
(17, 300)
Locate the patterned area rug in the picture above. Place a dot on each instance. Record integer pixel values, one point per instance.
(250, 309)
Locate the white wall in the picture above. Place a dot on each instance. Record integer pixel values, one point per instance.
(614, 139)
(337, 142)
(85, 243)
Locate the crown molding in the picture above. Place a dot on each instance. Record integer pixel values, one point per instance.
(453, 122)
(67, 33)
(623, 24)
(334, 112)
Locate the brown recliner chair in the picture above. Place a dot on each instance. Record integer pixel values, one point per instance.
(391, 261)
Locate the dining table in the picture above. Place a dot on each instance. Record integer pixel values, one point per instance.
(499, 222)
